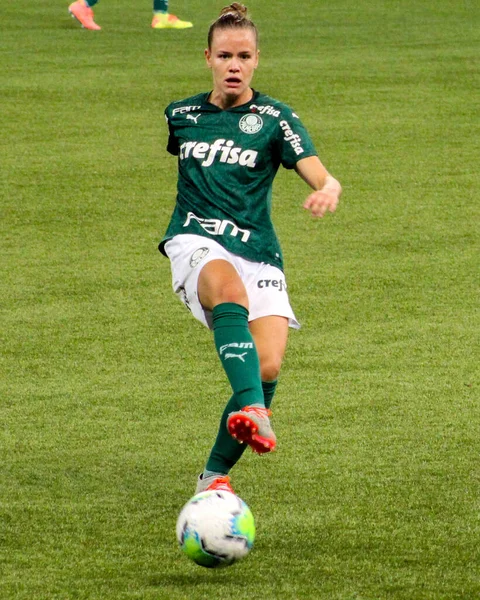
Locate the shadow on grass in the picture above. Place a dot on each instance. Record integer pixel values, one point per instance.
(194, 579)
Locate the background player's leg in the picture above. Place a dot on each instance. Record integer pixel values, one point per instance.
(160, 6)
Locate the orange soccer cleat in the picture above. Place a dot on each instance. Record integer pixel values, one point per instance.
(84, 15)
(214, 482)
(251, 426)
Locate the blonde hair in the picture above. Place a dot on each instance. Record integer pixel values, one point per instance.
(233, 16)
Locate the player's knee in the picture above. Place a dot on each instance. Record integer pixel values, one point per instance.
(233, 293)
(270, 368)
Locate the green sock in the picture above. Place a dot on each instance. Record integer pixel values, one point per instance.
(226, 451)
(236, 349)
(90, 3)
(238, 354)
(268, 388)
(160, 6)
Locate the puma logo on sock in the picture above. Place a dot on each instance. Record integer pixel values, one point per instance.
(231, 355)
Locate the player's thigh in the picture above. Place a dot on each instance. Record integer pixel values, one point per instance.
(219, 282)
(270, 334)
(189, 255)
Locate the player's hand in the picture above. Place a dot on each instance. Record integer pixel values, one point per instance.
(321, 202)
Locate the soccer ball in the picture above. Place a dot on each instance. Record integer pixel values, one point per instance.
(215, 529)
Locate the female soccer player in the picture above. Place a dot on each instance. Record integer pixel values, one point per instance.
(225, 257)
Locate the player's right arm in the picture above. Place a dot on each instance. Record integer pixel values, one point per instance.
(327, 189)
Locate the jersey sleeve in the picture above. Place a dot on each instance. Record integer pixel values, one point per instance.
(172, 144)
(293, 140)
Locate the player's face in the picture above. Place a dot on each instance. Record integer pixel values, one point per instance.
(233, 57)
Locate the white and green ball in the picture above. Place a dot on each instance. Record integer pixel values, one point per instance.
(215, 529)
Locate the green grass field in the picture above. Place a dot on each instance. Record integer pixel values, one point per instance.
(111, 393)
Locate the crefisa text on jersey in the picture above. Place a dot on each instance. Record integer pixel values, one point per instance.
(265, 110)
(293, 138)
(208, 152)
(278, 284)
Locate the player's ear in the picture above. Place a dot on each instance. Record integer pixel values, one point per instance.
(208, 56)
(257, 59)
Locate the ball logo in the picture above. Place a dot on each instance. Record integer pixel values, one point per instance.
(251, 123)
(198, 256)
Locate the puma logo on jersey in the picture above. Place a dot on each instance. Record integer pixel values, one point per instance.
(192, 118)
(221, 150)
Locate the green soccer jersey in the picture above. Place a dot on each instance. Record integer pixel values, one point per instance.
(227, 160)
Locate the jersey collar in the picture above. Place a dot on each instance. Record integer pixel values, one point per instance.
(241, 107)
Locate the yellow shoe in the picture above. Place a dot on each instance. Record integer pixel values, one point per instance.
(168, 21)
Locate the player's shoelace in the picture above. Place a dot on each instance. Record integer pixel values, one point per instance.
(221, 483)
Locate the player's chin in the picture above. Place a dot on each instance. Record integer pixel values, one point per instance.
(235, 89)
(233, 92)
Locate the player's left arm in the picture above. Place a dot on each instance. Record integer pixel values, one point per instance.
(327, 188)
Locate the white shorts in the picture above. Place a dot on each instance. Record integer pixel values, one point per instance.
(265, 284)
